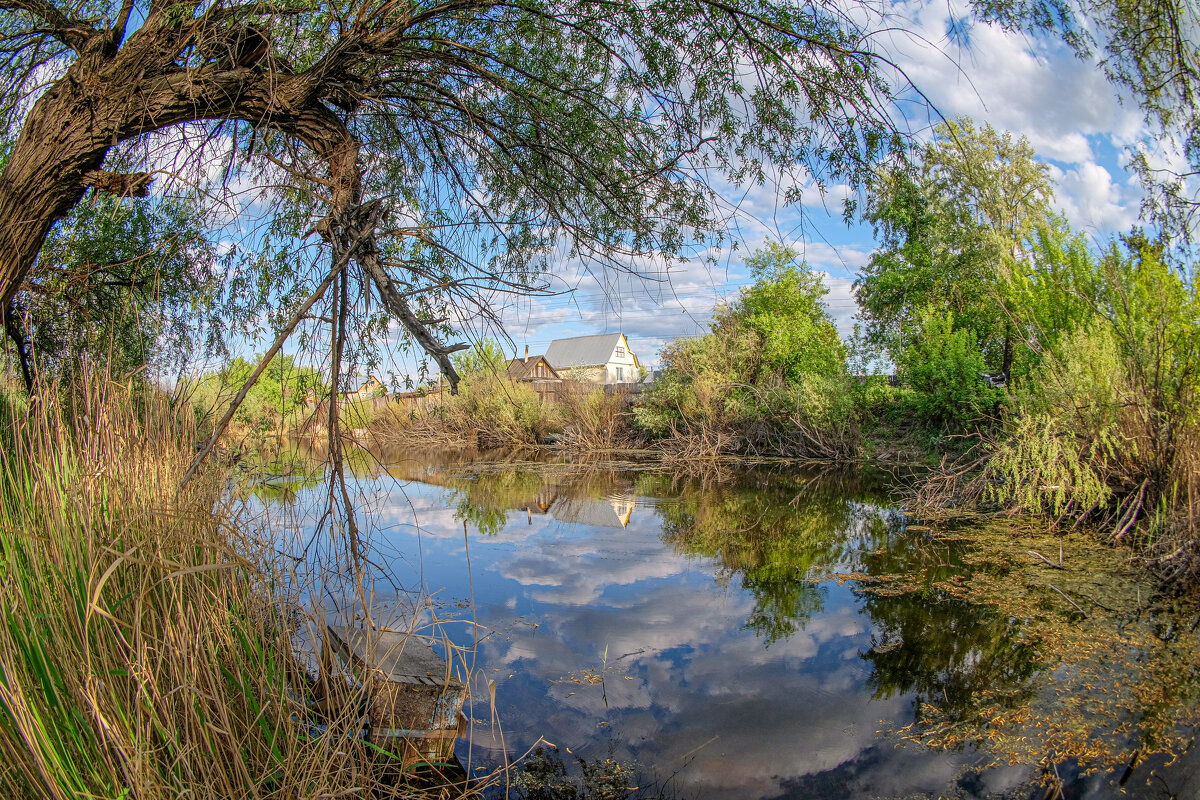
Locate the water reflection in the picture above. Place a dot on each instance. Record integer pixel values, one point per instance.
(931, 644)
(770, 531)
(748, 634)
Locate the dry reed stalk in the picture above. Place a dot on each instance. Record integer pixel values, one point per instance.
(145, 644)
(598, 420)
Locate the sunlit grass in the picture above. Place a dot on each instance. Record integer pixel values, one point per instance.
(146, 640)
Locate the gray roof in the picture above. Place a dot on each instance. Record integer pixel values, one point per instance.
(608, 512)
(582, 351)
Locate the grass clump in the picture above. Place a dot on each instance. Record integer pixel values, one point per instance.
(488, 411)
(145, 647)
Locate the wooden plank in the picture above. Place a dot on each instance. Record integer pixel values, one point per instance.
(395, 657)
(409, 685)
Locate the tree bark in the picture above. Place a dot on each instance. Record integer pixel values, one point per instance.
(43, 180)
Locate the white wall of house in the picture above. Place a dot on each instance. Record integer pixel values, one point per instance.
(622, 366)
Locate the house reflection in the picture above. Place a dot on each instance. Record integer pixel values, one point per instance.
(605, 512)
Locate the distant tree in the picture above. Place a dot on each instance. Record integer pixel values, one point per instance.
(769, 377)
(485, 358)
(279, 394)
(1151, 49)
(793, 334)
(953, 234)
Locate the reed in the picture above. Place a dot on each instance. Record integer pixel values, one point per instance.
(597, 421)
(489, 411)
(146, 640)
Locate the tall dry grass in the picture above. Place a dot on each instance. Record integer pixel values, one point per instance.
(490, 411)
(597, 420)
(146, 648)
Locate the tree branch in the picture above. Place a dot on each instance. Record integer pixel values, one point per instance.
(122, 184)
(74, 33)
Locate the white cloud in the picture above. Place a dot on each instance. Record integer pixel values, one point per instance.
(1093, 201)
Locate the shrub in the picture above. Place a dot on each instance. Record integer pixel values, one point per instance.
(943, 366)
(770, 379)
(598, 420)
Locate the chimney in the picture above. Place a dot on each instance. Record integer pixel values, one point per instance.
(526, 354)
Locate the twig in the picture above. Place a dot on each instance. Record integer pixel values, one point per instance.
(1069, 600)
(1047, 561)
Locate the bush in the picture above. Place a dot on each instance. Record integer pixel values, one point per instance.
(598, 420)
(943, 366)
(770, 379)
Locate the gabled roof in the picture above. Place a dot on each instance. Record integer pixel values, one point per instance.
(522, 368)
(582, 351)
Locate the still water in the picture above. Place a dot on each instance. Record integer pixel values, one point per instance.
(768, 634)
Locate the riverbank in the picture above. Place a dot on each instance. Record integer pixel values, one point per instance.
(1122, 486)
(147, 646)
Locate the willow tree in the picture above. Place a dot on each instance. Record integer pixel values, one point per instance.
(953, 233)
(436, 149)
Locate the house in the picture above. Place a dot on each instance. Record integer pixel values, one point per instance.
(537, 372)
(604, 359)
(532, 368)
(371, 387)
(606, 512)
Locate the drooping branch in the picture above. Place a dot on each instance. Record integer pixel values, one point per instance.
(532, 117)
(295, 320)
(74, 33)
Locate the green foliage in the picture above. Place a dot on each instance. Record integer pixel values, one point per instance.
(952, 235)
(1110, 408)
(1151, 50)
(770, 377)
(790, 329)
(1041, 467)
(123, 282)
(274, 403)
(943, 364)
(484, 358)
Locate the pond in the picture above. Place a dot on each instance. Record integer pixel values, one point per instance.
(769, 633)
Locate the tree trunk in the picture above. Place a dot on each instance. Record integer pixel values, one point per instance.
(1006, 366)
(60, 142)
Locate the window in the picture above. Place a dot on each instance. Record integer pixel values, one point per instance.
(620, 352)
(620, 374)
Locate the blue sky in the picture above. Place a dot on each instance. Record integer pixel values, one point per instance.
(1036, 88)
(1040, 89)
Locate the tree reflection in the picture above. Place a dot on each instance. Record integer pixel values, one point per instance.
(1001, 657)
(773, 531)
(929, 640)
